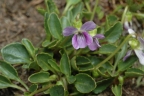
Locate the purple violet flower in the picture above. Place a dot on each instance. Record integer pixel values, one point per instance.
(95, 44)
(139, 51)
(81, 37)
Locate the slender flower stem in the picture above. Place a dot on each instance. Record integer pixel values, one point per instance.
(87, 6)
(110, 56)
(124, 14)
(94, 10)
(66, 8)
(40, 90)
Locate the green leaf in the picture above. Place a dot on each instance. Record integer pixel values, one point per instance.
(114, 33)
(121, 54)
(65, 65)
(85, 67)
(48, 35)
(77, 10)
(39, 77)
(65, 22)
(33, 87)
(134, 72)
(95, 60)
(71, 79)
(41, 11)
(102, 85)
(69, 16)
(111, 19)
(57, 90)
(107, 49)
(15, 53)
(29, 46)
(84, 83)
(73, 2)
(42, 60)
(105, 70)
(117, 90)
(99, 12)
(54, 65)
(4, 82)
(81, 60)
(55, 26)
(48, 43)
(124, 65)
(8, 71)
(52, 46)
(32, 65)
(51, 7)
(73, 63)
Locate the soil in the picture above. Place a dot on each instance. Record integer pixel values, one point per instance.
(20, 19)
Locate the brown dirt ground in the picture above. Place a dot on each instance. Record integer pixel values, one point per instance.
(20, 19)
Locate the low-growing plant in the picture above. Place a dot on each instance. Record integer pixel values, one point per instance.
(78, 57)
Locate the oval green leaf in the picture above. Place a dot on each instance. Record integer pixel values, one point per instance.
(65, 65)
(33, 87)
(107, 49)
(81, 60)
(8, 70)
(4, 82)
(40, 77)
(114, 33)
(15, 53)
(54, 65)
(42, 60)
(124, 65)
(134, 72)
(71, 79)
(57, 90)
(29, 46)
(55, 26)
(78, 9)
(102, 85)
(84, 83)
(65, 22)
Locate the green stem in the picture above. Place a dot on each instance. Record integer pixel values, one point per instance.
(110, 56)
(124, 14)
(23, 84)
(87, 6)
(17, 87)
(66, 8)
(40, 90)
(94, 10)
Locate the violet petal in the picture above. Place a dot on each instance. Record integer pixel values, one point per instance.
(74, 42)
(81, 40)
(90, 25)
(88, 38)
(94, 45)
(97, 42)
(100, 36)
(127, 55)
(140, 56)
(69, 31)
(131, 31)
(126, 25)
(141, 40)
